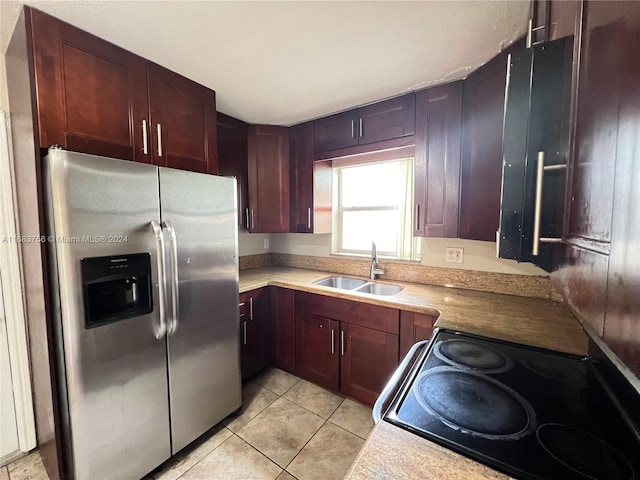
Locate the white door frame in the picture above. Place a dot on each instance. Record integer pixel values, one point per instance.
(12, 288)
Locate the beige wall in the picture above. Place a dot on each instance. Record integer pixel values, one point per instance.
(477, 255)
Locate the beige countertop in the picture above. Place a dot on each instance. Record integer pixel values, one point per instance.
(391, 452)
(531, 321)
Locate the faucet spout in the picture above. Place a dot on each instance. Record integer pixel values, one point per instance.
(375, 270)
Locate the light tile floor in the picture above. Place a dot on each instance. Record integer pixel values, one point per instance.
(288, 428)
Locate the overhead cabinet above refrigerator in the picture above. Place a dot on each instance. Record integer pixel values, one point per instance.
(535, 152)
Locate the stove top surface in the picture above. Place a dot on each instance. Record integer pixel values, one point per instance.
(531, 413)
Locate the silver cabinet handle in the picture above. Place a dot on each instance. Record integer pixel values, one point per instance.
(395, 380)
(162, 279)
(309, 218)
(241, 304)
(175, 296)
(360, 127)
(537, 215)
(247, 215)
(145, 141)
(353, 129)
(244, 333)
(250, 308)
(333, 341)
(341, 342)
(417, 216)
(159, 128)
(253, 226)
(530, 30)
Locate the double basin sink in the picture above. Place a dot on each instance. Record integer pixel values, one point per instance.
(359, 285)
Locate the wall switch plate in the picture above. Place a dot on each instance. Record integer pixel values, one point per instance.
(266, 244)
(454, 255)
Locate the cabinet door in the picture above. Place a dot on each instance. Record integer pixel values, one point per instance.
(269, 179)
(437, 161)
(336, 131)
(91, 95)
(282, 329)
(414, 327)
(254, 334)
(183, 122)
(557, 19)
(317, 350)
(310, 184)
(482, 119)
(385, 120)
(368, 358)
(232, 160)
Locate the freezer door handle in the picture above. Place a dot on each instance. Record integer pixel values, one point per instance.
(162, 279)
(173, 258)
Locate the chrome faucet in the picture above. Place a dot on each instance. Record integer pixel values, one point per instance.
(374, 263)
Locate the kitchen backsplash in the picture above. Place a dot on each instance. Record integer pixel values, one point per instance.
(509, 284)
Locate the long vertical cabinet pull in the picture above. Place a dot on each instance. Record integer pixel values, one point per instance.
(175, 296)
(250, 308)
(244, 332)
(360, 127)
(145, 138)
(309, 218)
(162, 279)
(417, 216)
(537, 215)
(253, 225)
(341, 342)
(333, 341)
(246, 212)
(353, 129)
(159, 129)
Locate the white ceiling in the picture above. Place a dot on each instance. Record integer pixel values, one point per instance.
(284, 62)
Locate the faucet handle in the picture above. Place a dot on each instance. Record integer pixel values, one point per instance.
(374, 251)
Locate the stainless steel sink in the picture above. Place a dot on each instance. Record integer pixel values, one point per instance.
(359, 285)
(379, 289)
(345, 283)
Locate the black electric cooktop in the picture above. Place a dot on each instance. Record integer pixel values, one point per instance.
(531, 413)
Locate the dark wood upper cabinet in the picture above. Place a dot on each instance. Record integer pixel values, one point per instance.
(232, 160)
(391, 118)
(311, 195)
(553, 19)
(268, 164)
(183, 122)
(91, 95)
(481, 169)
(437, 161)
(336, 131)
(386, 120)
(94, 97)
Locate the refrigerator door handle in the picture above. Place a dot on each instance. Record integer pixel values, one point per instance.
(175, 296)
(162, 279)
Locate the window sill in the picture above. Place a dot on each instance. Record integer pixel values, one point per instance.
(381, 258)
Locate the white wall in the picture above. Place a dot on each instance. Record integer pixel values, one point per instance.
(477, 255)
(253, 243)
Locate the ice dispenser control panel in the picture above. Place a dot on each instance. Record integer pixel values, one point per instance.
(116, 288)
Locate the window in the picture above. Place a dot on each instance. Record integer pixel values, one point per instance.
(373, 202)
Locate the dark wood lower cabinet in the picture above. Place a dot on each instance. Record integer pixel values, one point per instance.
(283, 342)
(254, 332)
(346, 346)
(368, 358)
(317, 355)
(414, 327)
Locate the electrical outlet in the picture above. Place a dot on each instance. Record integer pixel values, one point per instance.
(454, 255)
(266, 244)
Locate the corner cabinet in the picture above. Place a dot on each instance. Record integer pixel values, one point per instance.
(311, 196)
(386, 120)
(346, 346)
(232, 159)
(437, 161)
(282, 328)
(94, 97)
(254, 331)
(268, 169)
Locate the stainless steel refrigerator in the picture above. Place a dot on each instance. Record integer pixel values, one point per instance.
(144, 282)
